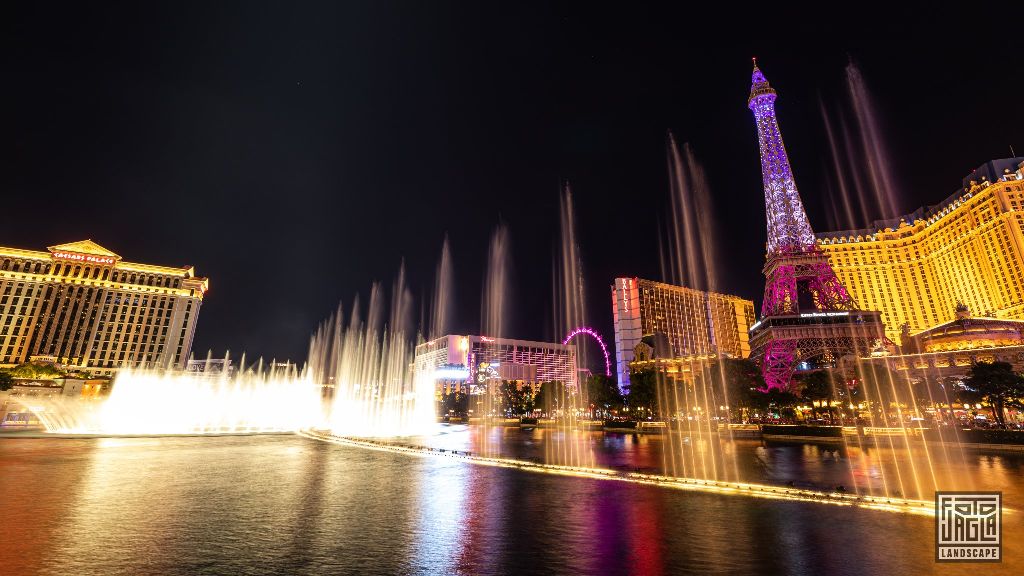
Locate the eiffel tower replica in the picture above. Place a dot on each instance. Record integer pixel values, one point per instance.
(808, 319)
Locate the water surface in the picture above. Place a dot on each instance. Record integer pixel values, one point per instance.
(291, 505)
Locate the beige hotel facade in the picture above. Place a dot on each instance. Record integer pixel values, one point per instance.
(80, 305)
(918, 268)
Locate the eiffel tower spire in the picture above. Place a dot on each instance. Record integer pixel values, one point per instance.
(788, 229)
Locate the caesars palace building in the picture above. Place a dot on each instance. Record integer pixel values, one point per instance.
(80, 305)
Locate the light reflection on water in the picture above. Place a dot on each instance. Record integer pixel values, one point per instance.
(865, 469)
(288, 505)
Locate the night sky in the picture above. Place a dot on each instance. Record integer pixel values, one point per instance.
(296, 152)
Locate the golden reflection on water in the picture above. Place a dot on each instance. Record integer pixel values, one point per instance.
(293, 506)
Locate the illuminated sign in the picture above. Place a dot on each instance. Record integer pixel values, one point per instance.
(486, 339)
(87, 258)
(823, 314)
(451, 373)
(487, 371)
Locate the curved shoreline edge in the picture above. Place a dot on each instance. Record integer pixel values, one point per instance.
(901, 505)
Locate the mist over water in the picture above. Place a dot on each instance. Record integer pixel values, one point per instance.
(149, 402)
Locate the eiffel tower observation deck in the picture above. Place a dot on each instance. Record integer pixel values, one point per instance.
(808, 319)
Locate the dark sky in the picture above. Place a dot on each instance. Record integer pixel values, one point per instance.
(296, 152)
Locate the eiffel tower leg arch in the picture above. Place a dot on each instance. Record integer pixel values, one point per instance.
(778, 363)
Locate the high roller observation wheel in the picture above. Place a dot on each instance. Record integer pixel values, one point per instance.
(593, 334)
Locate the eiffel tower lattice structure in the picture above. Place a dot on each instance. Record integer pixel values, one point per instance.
(808, 319)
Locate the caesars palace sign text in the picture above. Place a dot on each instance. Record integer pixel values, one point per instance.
(89, 258)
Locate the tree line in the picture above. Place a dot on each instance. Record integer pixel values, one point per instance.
(734, 390)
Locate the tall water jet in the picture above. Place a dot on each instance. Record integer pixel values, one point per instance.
(691, 248)
(875, 153)
(860, 169)
(570, 296)
(569, 288)
(444, 284)
(570, 314)
(843, 185)
(495, 302)
(864, 186)
(691, 259)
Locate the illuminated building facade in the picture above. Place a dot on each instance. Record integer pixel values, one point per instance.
(470, 364)
(694, 323)
(80, 305)
(969, 249)
(948, 350)
(966, 332)
(653, 354)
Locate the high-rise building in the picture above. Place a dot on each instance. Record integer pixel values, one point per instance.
(81, 305)
(808, 319)
(968, 249)
(694, 323)
(472, 364)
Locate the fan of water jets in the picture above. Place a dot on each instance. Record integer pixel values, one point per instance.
(861, 183)
(690, 259)
(698, 451)
(361, 365)
(365, 362)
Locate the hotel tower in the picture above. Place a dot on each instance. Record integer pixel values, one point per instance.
(968, 249)
(694, 324)
(80, 305)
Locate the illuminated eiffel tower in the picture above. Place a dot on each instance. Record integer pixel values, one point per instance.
(808, 319)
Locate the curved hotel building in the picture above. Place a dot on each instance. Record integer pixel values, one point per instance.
(694, 325)
(81, 306)
(917, 269)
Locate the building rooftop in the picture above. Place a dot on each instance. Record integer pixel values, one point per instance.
(982, 176)
(489, 340)
(967, 332)
(685, 288)
(90, 252)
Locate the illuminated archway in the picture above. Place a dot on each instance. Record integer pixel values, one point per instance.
(593, 334)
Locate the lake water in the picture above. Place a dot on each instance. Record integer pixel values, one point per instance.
(292, 505)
